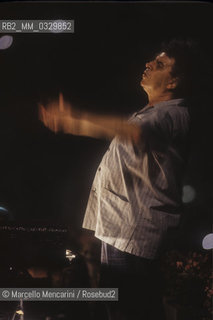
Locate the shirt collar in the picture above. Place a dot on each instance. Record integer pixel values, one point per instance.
(172, 103)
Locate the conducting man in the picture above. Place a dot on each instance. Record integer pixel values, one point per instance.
(135, 199)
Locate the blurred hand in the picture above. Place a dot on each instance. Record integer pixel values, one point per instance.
(57, 116)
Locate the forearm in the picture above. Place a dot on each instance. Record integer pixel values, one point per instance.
(99, 126)
(84, 127)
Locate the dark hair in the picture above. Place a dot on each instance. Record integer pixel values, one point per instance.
(188, 67)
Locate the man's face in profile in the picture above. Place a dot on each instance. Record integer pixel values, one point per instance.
(157, 75)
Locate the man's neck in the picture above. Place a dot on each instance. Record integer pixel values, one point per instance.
(154, 99)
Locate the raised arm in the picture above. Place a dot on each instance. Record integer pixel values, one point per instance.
(60, 116)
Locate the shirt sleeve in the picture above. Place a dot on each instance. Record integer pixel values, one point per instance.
(156, 130)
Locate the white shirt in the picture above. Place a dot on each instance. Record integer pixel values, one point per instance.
(136, 194)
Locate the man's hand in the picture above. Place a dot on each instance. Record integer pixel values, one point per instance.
(57, 116)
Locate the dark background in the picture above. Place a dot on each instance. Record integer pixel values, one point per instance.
(46, 177)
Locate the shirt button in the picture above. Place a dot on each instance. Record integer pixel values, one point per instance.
(94, 189)
(99, 169)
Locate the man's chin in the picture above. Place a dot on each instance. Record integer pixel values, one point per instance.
(144, 86)
(143, 83)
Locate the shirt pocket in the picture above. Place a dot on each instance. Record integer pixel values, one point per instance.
(116, 213)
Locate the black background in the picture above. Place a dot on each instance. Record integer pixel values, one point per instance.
(47, 177)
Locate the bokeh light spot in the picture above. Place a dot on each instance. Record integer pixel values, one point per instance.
(188, 194)
(208, 241)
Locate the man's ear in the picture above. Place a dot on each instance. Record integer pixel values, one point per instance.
(173, 83)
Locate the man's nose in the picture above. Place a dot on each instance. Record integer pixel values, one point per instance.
(148, 64)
